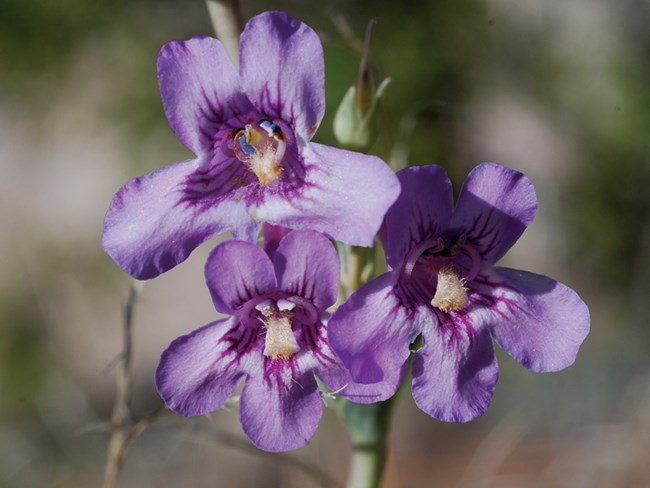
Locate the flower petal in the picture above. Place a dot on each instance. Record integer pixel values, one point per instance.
(495, 206)
(422, 211)
(338, 379)
(280, 415)
(273, 235)
(307, 265)
(200, 90)
(236, 272)
(282, 70)
(345, 195)
(540, 322)
(455, 372)
(152, 225)
(196, 374)
(371, 333)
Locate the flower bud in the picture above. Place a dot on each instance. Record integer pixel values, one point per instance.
(354, 125)
(349, 129)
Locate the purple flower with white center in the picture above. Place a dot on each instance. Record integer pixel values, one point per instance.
(442, 284)
(275, 339)
(254, 162)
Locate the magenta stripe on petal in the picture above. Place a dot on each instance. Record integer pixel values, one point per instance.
(422, 211)
(149, 229)
(200, 90)
(283, 72)
(494, 207)
(538, 321)
(455, 371)
(195, 375)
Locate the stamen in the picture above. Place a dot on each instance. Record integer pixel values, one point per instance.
(458, 244)
(427, 247)
(435, 248)
(261, 147)
(280, 342)
(271, 129)
(451, 293)
(285, 305)
(476, 262)
(247, 151)
(331, 394)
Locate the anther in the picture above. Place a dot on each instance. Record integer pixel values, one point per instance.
(261, 147)
(451, 293)
(280, 341)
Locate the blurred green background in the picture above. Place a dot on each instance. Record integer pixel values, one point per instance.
(557, 89)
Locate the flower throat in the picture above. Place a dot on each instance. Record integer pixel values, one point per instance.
(261, 147)
(441, 262)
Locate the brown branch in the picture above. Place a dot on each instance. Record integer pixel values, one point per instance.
(141, 425)
(122, 421)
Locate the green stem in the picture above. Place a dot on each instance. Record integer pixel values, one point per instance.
(368, 427)
(366, 467)
(355, 266)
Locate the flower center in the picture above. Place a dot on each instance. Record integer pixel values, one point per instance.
(280, 341)
(447, 264)
(261, 147)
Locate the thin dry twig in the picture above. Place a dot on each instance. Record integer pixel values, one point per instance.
(141, 425)
(122, 421)
(350, 38)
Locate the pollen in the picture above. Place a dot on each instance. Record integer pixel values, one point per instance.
(265, 166)
(280, 341)
(451, 293)
(261, 147)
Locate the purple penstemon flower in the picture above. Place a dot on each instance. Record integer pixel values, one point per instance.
(251, 132)
(275, 339)
(442, 284)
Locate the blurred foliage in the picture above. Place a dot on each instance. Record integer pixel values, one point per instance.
(609, 207)
(429, 79)
(39, 35)
(24, 358)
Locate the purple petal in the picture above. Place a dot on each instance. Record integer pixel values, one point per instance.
(495, 206)
(200, 90)
(371, 333)
(307, 265)
(455, 372)
(340, 382)
(345, 195)
(196, 374)
(282, 70)
(236, 272)
(335, 375)
(151, 225)
(279, 415)
(422, 211)
(538, 321)
(272, 235)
